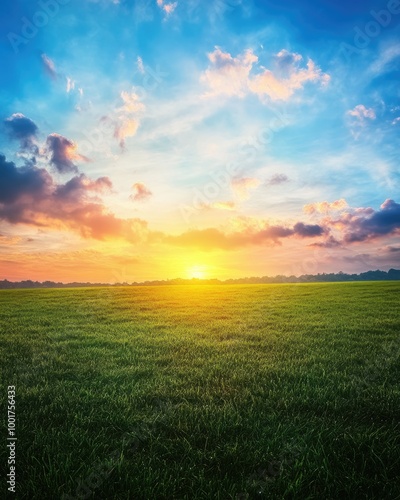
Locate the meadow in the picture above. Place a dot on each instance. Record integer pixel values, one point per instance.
(204, 392)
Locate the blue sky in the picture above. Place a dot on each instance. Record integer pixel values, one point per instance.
(288, 105)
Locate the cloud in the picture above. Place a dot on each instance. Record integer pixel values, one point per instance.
(140, 65)
(361, 113)
(29, 195)
(308, 230)
(357, 224)
(368, 225)
(392, 249)
(51, 70)
(125, 120)
(286, 77)
(140, 192)
(241, 186)
(75, 188)
(277, 179)
(231, 76)
(325, 207)
(132, 103)
(224, 205)
(49, 66)
(70, 84)
(212, 238)
(168, 8)
(63, 153)
(21, 128)
(330, 242)
(228, 75)
(17, 183)
(126, 127)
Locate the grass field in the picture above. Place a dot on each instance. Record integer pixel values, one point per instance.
(204, 392)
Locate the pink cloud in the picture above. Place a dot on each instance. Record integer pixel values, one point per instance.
(168, 8)
(325, 207)
(140, 192)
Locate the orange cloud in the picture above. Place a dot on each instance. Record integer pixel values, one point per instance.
(325, 207)
(29, 195)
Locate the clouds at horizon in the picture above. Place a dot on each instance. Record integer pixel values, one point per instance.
(29, 195)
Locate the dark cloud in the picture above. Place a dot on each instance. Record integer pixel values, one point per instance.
(23, 129)
(29, 195)
(330, 242)
(15, 183)
(75, 188)
(63, 153)
(277, 179)
(363, 225)
(308, 230)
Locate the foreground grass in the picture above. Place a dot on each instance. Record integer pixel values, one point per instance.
(205, 392)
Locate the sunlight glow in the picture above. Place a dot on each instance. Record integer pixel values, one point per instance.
(197, 272)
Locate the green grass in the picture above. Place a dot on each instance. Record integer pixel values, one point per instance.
(205, 392)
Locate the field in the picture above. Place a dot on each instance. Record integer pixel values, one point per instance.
(204, 392)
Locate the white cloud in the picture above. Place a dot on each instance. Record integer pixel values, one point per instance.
(231, 76)
(361, 113)
(70, 85)
(228, 75)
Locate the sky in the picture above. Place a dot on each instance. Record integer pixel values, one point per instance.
(159, 139)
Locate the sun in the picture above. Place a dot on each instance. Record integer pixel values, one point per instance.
(197, 272)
